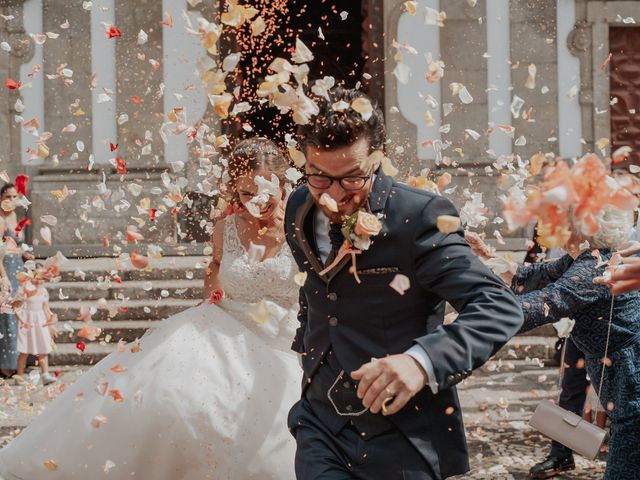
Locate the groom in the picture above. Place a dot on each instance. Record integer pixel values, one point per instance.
(378, 397)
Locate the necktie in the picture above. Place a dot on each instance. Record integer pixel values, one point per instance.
(337, 239)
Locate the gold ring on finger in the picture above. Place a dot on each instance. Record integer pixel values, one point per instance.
(385, 402)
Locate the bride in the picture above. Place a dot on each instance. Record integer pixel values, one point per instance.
(205, 394)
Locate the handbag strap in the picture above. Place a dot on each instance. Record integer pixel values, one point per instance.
(606, 355)
(563, 351)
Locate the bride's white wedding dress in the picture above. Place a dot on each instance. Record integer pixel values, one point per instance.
(205, 397)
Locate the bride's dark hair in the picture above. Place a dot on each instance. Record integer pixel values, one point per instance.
(254, 154)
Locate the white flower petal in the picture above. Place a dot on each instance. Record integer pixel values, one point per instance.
(400, 283)
(302, 53)
(327, 201)
(363, 107)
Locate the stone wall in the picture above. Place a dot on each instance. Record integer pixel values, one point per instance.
(461, 44)
(22, 48)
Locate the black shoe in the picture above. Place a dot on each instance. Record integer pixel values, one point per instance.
(552, 466)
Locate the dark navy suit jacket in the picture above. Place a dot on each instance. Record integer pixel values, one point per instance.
(361, 321)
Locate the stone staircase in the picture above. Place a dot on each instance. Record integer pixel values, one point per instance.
(140, 299)
(125, 307)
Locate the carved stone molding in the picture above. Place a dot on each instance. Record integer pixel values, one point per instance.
(22, 46)
(579, 40)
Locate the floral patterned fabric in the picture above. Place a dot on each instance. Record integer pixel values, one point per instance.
(564, 288)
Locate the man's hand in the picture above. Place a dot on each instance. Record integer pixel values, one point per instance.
(388, 383)
(622, 278)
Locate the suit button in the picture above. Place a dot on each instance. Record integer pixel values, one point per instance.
(333, 296)
(450, 379)
(333, 321)
(349, 408)
(346, 385)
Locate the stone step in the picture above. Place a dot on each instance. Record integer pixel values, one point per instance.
(166, 268)
(67, 310)
(127, 330)
(520, 348)
(134, 289)
(68, 354)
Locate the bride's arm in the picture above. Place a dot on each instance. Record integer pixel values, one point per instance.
(211, 276)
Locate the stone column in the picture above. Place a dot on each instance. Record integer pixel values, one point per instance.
(533, 41)
(12, 32)
(463, 41)
(102, 202)
(67, 99)
(139, 97)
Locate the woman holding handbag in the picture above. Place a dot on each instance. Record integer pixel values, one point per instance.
(607, 328)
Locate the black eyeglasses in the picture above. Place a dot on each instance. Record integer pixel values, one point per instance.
(350, 182)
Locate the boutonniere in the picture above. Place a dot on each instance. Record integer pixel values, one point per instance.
(357, 230)
(360, 227)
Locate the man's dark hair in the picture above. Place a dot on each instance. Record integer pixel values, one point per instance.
(332, 129)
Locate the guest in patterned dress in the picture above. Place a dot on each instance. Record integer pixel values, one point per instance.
(565, 288)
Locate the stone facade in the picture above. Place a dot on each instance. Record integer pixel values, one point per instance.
(13, 32)
(143, 93)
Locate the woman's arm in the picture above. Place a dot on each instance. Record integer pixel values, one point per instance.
(211, 276)
(572, 292)
(522, 278)
(535, 276)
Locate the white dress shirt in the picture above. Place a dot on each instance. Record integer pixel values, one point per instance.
(321, 226)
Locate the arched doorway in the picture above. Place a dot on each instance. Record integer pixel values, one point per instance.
(345, 38)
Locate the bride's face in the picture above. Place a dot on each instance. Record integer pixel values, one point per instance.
(261, 193)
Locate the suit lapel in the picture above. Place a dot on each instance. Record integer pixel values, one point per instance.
(376, 202)
(304, 228)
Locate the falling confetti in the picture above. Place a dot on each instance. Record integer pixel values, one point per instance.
(400, 283)
(448, 223)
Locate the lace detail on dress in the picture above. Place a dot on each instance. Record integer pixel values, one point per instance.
(252, 282)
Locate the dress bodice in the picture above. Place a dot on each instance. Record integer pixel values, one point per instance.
(250, 281)
(35, 302)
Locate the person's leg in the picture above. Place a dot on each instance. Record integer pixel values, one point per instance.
(323, 455)
(43, 363)
(572, 398)
(22, 361)
(47, 378)
(601, 419)
(392, 456)
(8, 341)
(319, 454)
(574, 389)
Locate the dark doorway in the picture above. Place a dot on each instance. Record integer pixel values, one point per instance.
(346, 52)
(624, 45)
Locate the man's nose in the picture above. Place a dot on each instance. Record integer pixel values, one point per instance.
(336, 191)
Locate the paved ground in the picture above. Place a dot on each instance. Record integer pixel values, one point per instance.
(497, 403)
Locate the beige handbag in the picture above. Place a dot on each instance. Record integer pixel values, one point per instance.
(566, 427)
